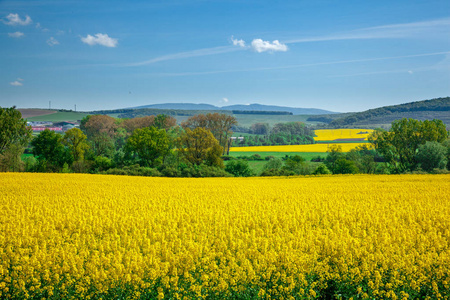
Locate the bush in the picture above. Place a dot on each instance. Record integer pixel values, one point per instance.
(134, 170)
(269, 157)
(239, 168)
(431, 155)
(318, 158)
(277, 172)
(321, 170)
(256, 157)
(210, 171)
(274, 163)
(171, 172)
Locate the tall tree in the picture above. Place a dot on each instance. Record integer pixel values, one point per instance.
(400, 144)
(75, 140)
(13, 129)
(50, 151)
(150, 144)
(199, 146)
(219, 124)
(101, 131)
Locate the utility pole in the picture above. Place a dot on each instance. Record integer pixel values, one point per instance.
(49, 104)
(75, 107)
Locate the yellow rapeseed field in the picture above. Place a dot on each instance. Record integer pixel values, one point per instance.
(66, 236)
(333, 134)
(346, 147)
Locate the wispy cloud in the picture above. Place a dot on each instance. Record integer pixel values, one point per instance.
(14, 20)
(187, 54)
(259, 46)
(39, 26)
(52, 42)
(18, 82)
(404, 30)
(447, 53)
(16, 34)
(236, 42)
(100, 39)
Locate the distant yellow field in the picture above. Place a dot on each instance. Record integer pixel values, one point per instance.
(341, 134)
(79, 236)
(296, 148)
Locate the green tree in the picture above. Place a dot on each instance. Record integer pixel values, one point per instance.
(51, 153)
(431, 155)
(239, 168)
(75, 140)
(334, 153)
(199, 146)
(321, 170)
(218, 124)
(344, 166)
(13, 129)
(399, 145)
(150, 144)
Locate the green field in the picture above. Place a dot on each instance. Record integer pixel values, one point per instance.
(258, 165)
(306, 155)
(70, 116)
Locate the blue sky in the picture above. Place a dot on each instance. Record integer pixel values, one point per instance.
(334, 55)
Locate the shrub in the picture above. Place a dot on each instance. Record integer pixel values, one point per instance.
(239, 168)
(321, 170)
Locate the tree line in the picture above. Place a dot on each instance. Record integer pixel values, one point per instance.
(150, 145)
(156, 146)
(289, 133)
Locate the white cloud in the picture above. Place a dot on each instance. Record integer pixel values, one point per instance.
(236, 42)
(410, 72)
(259, 46)
(18, 82)
(16, 34)
(52, 42)
(100, 39)
(14, 19)
(225, 100)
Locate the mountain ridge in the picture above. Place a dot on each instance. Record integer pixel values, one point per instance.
(242, 107)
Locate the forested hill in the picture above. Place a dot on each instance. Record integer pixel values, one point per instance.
(438, 108)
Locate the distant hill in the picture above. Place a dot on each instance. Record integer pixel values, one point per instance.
(438, 108)
(250, 107)
(180, 106)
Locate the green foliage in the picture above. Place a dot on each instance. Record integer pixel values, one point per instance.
(199, 146)
(399, 145)
(321, 170)
(10, 159)
(344, 166)
(150, 144)
(13, 129)
(239, 168)
(274, 163)
(364, 159)
(75, 140)
(102, 163)
(277, 172)
(334, 153)
(431, 155)
(49, 150)
(134, 170)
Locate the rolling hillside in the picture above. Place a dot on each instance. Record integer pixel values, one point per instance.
(438, 108)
